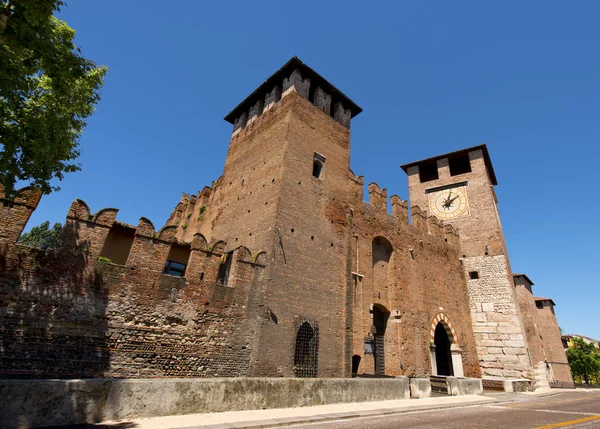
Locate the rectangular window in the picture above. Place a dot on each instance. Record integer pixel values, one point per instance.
(459, 164)
(118, 244)
(177, 260)
(428, 172)
(539, 305)
(173, 268)
(473, 275)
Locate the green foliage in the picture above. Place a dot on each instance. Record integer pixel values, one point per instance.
(42, 236)
(47, 90)
(104, 259)
(584, 360)
(184, 226)
(189, 216)
(201, 209)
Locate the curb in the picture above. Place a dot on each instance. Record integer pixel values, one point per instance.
(288, 421)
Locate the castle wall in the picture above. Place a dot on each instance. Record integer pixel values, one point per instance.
(496, 320)
(530, 321)
(308, 270)
(497, 325)
(425, 279)
(288, 270)
(68, 315)
(552, 343)
(308, 228)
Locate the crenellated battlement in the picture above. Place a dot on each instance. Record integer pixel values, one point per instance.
(116, 294)
(419, 219)
(15, 212)
(101, 237)
(294, 76)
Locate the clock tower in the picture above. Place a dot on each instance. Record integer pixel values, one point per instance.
(458, 188)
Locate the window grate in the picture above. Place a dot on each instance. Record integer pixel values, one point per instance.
(306, 353)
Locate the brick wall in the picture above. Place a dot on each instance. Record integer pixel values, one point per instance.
(497, 324)
(67, 315)
(551, 340)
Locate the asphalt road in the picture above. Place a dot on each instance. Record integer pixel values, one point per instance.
(561, 410)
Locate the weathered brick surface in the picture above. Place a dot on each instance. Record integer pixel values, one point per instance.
(552, 343)
(497, 324)
(67, 315)
(543, 333)
(302, 249)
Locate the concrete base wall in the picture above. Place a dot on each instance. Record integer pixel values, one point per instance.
(420, 388)
(464, 386)
(35, 403)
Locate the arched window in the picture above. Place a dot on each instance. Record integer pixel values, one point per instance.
(318, 165)
(306, 353)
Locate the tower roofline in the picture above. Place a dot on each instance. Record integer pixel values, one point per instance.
(277, 78)
(523, 275)
(486, 156)
(538, 298)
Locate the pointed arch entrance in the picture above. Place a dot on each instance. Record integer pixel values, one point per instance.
(445, 353)
(443, 358)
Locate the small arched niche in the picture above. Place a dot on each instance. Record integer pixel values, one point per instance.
(382, 253)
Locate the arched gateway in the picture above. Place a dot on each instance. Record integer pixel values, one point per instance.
(446, 355)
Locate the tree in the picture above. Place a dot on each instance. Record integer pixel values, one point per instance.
(584, 360)
(47, 90)
(42, 236)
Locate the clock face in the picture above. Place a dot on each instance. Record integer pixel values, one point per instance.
(449, 203)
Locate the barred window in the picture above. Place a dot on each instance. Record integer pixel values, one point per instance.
(306, 353)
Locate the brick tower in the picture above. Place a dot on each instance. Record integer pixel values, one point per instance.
(288, 160)
(458, 188)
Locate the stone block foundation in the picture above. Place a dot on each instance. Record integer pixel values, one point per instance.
(34, 403)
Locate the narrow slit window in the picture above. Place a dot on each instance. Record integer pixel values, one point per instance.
(318, 165)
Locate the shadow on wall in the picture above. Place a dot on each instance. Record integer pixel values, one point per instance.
(122, 425)
(52, 311)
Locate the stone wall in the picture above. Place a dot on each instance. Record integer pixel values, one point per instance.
(552, 343)
(32, 403)
(68, 315)
(497, 327)
(497, 324)
(268, 198)
(529, 315)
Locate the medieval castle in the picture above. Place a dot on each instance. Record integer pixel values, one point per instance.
(281, 270)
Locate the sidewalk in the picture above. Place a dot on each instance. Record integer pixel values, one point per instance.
(288, 416)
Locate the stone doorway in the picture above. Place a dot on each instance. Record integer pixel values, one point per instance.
(443, 357)
(380, 318)
(445, 353)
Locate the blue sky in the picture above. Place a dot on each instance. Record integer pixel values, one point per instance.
(432, 77)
